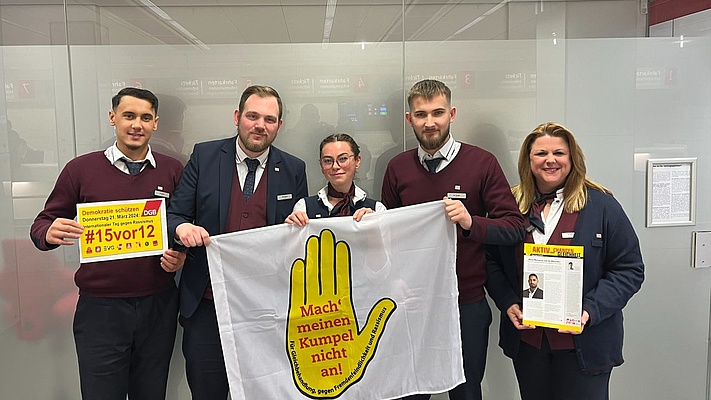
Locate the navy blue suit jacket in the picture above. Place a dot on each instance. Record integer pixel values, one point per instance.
(613, 271)
(202, 197)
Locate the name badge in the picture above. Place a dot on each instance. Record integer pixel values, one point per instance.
(287, 196)
(568, 235)
(160, 193)
(457, 195)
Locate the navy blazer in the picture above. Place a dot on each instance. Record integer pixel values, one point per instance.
(202, 197)
(613, 271)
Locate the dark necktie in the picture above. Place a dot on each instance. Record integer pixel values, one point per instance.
(345, 200)
(248, 189)
(535, 215)
(433, 164)
(134, 167)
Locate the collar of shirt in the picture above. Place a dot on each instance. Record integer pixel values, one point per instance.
(551, 220)
(323, 196)
(114, 155)
(240, 155)
(447, 152)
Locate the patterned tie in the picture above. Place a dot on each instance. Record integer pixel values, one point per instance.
(248, 189)
(433, 164)
(535, 214)
(134, 167)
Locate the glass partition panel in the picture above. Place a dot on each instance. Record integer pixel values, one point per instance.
(627, 100)
(37, 292)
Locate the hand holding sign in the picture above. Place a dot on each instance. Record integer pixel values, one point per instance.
(328, 352)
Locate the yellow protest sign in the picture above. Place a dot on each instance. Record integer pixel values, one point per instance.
(121, 229)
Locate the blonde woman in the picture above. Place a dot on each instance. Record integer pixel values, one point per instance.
(565, 207)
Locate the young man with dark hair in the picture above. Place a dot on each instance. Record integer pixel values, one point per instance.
(126, 316)
(533, 291)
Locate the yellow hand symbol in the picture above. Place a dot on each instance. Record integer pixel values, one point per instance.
(328, 352)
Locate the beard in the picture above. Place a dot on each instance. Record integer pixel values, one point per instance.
(432, 142)
(256, 147)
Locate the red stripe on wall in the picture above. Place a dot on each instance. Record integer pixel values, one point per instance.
(666, 10)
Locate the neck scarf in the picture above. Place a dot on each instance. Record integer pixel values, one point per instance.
(535, 214)
(345, 200)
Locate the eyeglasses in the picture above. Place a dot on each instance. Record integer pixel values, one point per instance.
(343, 160)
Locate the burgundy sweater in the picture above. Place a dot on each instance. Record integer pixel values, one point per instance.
(92, 178)
(495, 216)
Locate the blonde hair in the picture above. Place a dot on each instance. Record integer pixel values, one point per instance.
(575, 189)
(428, 89)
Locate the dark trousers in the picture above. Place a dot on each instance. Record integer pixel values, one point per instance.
(204, 362)
(124, 345)
(545, 374)
(474, 319)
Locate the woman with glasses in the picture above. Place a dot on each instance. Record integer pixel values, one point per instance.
(339, 160)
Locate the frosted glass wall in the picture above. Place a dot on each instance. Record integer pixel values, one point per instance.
(626, 100)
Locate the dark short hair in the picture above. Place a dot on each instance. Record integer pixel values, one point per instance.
(143, 94)
(262, 91)
(340, 137)
(428, 89)
(530, 275)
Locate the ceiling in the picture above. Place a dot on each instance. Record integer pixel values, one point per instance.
(206, 22)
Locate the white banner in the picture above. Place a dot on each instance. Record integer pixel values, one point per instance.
(340, 309)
